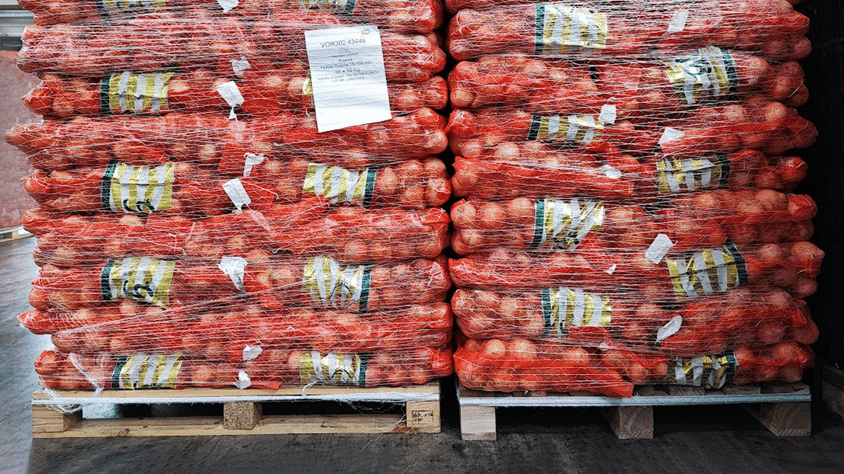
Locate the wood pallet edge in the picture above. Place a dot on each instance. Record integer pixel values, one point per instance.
(833, 398)
(782, 418)
(239, 418)
(13, 233)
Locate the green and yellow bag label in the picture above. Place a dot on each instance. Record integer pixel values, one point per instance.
(711, 372)
(707, 272)
(561, 28)
(561, 225)
(342, 7)
(675, 175)
(308, 86)
(564, 308)
(583, 129)
(138, 278)
(146, 371)
(707, 73)
(142, 93)
(333, 369)
(111, 7)
(332, 285)
(338, 184)
(137, 189)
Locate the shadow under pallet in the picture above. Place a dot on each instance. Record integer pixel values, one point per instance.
(784, 409)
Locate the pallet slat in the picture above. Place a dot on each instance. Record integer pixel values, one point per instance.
(241, 416)
(14, 233)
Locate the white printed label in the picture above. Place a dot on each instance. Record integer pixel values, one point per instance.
(670, 328)
(251, 352)
(240, 65)
(678, 21)
(234, 267)
(348, 77)
(243, 381)
(608, 114)
(611, 172)
(670, 134)
(228, 4)
(234, 188)
(231, 94)
(251, 160)
(659, 248)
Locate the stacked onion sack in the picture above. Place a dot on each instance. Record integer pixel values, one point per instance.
(196, 230)
(628, 214)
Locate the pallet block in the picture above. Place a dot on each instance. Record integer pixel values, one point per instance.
(833, 390)
(14, 233)
(783, 409)
(242, 412)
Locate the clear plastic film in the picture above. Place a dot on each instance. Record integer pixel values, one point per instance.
(627, 175)
(198, 227)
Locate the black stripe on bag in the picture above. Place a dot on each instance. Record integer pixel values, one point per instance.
(730, 374)
(533, 133)
(741, 266)
(725, 169)
(538, 224)
(364, 361)
(105, 276)
(538, 45)
(369, 187)
(730, 65)
(546, 310)
(115, 376)
(105, 103)
(350, 7)
(105, 187)
(364, 289)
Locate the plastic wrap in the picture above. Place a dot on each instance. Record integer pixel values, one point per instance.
(628, 176)
(206, 221)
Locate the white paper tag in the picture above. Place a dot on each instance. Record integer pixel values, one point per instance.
(228, 4)
(240, 65)
(608, 114)
(347, 73)
(670, 328)
(251, 352)
(251, 159)
(234, 188)
(234, 267)
(659, 248)
(231, 94)
(678, 21)
(612, 173)
(670, 134)
(243, 380)
(611, 270)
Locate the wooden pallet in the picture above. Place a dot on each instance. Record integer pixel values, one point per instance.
(783, 409)
(14, 233)
(242, 412)
(833, 390)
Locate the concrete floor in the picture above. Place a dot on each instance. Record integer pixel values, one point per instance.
(694, 439)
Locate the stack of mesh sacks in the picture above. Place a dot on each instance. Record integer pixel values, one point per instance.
(629, 215)
(196, 230)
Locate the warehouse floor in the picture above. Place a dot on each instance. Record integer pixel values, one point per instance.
(695, 439)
